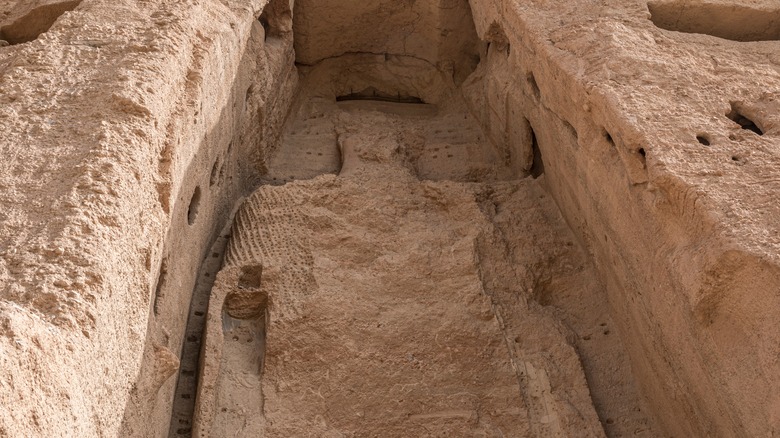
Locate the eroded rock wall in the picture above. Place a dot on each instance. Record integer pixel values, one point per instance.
(333, 317)
(25, 20)
(636, 128)
(439, 32)
(128, 144)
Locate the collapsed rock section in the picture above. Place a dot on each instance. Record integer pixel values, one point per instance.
(367, 311)
(381, 326)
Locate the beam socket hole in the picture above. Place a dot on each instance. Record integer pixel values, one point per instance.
(531, 79)
(192, 210)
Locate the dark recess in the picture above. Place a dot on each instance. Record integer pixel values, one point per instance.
(192, 211)
(743, 121)
(534, 86)
(266, 25)
(642, 156)
(571, 129)
(161, 279)
(537, 168)
(372, 93)
(214, 177)
(608, 137)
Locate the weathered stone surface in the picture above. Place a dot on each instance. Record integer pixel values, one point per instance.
(131, 131)
(109, 126)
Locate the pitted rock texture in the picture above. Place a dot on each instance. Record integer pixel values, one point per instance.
(109, 126)
(130, 130)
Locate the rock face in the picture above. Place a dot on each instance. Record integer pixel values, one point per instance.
(661, 184)
(439, 32)
(31, 18)
(452, 218)
(333, 317)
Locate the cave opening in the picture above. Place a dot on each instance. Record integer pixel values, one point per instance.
(642, 157)
(743, 121)
(266, 25)
(276, 19)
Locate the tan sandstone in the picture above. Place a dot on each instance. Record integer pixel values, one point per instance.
(389, 218)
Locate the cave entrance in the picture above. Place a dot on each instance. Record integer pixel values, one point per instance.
(737, 116)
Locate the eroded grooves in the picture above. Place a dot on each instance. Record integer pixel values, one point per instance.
(263, 234)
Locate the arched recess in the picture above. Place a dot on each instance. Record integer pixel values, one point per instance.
(440, 32)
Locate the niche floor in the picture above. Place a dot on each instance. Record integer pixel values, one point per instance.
(412, 287)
